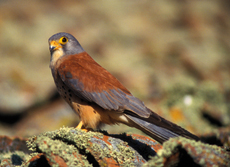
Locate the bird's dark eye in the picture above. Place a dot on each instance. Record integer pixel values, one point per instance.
(63, 40)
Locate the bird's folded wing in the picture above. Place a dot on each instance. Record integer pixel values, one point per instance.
(89, 81)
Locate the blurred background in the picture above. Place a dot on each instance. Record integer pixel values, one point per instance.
(173, 55)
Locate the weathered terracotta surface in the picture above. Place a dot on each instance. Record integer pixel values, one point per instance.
(72, 147)
(184, 152)
(84, 148)
(12, 143)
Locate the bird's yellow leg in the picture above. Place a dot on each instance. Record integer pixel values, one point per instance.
(81, 125)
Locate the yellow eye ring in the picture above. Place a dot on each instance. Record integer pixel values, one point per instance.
(63, 40)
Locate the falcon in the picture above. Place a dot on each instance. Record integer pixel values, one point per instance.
(98, 97)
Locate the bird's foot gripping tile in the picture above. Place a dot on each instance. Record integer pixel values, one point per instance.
(87, 129)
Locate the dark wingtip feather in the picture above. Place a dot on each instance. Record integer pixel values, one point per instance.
(159, 128)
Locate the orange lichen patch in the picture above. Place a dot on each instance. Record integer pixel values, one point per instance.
(190, 128)
(6, 162)
(148, 141)
(53, 160)
(173, 159)
(106, 139)
(58, 160)
(36, 157)
(102, 160)
(181, 151)
(176, 114)
(12, 144)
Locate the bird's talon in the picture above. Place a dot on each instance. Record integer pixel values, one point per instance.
(80, 125)
(87, 129)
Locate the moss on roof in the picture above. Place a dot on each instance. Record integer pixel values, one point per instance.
(179, 151)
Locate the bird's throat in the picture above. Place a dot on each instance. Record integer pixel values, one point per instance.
(55, 56)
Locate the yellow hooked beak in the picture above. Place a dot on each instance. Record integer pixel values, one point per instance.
(54, 45)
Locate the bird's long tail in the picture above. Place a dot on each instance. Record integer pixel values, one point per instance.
(158, 128)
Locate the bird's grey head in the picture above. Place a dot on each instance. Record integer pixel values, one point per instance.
(65, 42)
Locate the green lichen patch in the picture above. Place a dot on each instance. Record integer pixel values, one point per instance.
(68, 142)
(181, 151)
(196, 101)
(15, 158)
(122, 152)
(63, 143)
(142, 144)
